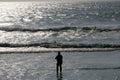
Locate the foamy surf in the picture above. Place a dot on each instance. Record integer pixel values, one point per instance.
(44, 50)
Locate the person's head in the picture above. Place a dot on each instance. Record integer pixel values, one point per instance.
(58, 53)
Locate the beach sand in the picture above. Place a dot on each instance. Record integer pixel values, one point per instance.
(76, 66)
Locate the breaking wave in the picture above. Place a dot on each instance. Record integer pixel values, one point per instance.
(60, 29)
(62, 45)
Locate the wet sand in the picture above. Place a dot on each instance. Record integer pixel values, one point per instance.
(76, 66)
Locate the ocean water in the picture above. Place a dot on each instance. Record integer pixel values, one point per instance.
(82, 28)
(35, 23)
(77, 65)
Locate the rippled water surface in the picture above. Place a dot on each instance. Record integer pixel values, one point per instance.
(83, 66)
(49, 27)
(40, 22)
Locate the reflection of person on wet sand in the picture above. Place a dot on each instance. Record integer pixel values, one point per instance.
(59, 59)
(59, 76)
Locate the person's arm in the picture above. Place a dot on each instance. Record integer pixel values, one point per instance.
(56, 57)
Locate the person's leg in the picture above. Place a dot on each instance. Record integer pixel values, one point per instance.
(57, 68)
(61, 68)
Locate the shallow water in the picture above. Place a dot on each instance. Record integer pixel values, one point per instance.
(76, 65)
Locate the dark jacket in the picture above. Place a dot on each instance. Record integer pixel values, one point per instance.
(59, 59)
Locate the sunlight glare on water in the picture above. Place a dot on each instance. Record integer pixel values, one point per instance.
(24, 14)
(18, 20)
(9, 12)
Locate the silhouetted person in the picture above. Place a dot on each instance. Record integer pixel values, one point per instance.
(59, 59)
